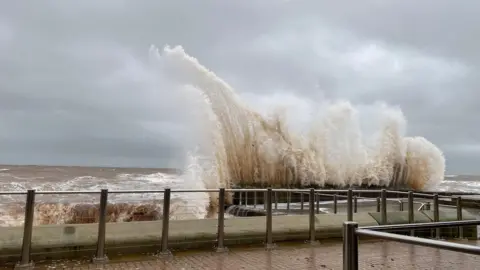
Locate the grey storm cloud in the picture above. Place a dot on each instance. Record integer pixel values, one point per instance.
(76, 86)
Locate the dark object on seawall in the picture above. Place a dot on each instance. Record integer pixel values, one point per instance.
(240, 211)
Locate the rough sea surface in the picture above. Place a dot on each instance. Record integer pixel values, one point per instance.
(51, 209)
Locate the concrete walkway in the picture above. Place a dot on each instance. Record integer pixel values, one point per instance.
(327, 255)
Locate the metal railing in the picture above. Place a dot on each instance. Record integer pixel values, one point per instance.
(351, 233)
(351, 196)
(244, 199)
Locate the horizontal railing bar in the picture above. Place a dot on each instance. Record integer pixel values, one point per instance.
(397, 192)
(419, 194)
(323, 192)
(288, 190)
(193, 190)
(341, 195)
(13, 193)
(253, 190)
(135, 191)
(430, 225)
(425, 195)
(430, 196)
(329, 191)
(368, 198)
(64, 192)
(470, 249)
(367, 191)
(326, 192)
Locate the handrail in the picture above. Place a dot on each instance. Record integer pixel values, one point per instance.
(351, 232)
(66, 192)
(325, 192)
(431, 225)
(3, 193)
(470, 249)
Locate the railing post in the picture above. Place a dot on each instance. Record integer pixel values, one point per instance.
(276, 200)
(355, 203)
(349, 205)
(311, 216)
(436, 214)
(269, 223)
(335, 203)
(459, 216)
(384, 206)
(317, 199)
(165, 223)
(25, 262)
(265, 200)
(254, 199)
(246, 198)
(221, 221)
(240, 198)
(378, 204)
(400, 205)
(100, 256)
(411, 213)
(350, 246)
(301, 201)
(288, 200)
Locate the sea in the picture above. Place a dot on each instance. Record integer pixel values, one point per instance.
(77, 208)
(72, 208)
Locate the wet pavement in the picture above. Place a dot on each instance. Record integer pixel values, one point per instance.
(325, 255)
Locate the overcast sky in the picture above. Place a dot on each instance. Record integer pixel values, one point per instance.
(76, 86)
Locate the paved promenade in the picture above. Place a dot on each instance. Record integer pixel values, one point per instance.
(373, 255)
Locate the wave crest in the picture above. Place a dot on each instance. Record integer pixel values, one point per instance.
(251, 149)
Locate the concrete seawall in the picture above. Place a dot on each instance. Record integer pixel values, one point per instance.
(75, 240)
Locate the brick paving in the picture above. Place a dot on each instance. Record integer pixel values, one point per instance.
(373, 255)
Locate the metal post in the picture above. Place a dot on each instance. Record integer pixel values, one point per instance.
(459, 216)
(100, 256)
(265, 200)
(384, 206)
(317, 198)
(311, 216)
(25, 262)
(378, 204)
(255, 199)
(301, 201)
(288, 200)
(436, 214)
(240, 198)
(355, 203)
(400, 205)
(350, 246)
(349, 205)
(246, 198)
(411, 213)
(335, 203)
(269, 241)
(276, 200)
(165, 223)
(221, 221)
